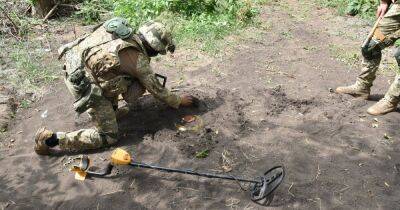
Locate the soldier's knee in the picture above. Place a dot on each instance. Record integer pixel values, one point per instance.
(109, 139)
(112, 141)
(372, 51)
(397, 55)
(135, 91)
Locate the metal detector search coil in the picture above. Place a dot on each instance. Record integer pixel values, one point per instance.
(261, 188)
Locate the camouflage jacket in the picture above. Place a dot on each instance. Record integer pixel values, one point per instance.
(97, 54)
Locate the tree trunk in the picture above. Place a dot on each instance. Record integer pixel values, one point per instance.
(42, 7)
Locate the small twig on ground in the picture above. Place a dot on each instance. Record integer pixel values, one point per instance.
(117, 191)
(318, 173)
(344, 189)
(340, 192)
(397, 167)
(28, 9)
(50, 12)
(247, 157)
(187, 188)
(74, 32)
(290, 193)
(16, 28)
(247, 207)
(318, 201)
(232, 202)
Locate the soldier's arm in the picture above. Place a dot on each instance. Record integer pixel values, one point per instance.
(138, 65)
(383, 7)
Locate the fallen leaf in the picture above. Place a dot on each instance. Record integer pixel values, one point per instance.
(375, 125)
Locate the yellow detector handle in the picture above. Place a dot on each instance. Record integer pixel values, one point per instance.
(120, 157)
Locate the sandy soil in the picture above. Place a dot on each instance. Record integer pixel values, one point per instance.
(266, 103)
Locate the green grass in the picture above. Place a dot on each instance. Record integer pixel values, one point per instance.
(198, 23)
(202, 154)
(339, 5)
(347, 56)
(31, 65)
(204, 32)
(24, 104)
(92, 10)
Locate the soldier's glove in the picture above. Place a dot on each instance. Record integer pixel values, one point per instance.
(372, 50)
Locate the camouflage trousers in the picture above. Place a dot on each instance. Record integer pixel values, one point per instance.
(105, 132)
(389, 26)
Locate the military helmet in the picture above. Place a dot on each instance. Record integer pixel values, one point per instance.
(119, 27)
(158, 37)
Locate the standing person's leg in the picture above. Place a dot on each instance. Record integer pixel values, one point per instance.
(104, 134)
(392, 97)
(391, 32)
(389, 25)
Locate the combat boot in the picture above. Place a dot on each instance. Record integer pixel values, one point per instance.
(40, 141)
(383, 106)
(356, 90)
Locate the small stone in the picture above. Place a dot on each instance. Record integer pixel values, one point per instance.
(44, 114)
(386, 136)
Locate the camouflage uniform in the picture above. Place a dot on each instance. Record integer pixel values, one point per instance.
(97, 53)
(388, 32)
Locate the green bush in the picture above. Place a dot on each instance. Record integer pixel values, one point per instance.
(139, 11)
(365, 8)
(91, 10)
(201, 20)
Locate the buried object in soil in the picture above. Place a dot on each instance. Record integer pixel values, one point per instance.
(261, 187)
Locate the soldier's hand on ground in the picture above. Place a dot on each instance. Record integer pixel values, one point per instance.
(187, 100)
(382, 9)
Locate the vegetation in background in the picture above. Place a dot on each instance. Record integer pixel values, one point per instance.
(90, 11)
(196, 23)
(364, 8)
(28, 68)
(204, 21)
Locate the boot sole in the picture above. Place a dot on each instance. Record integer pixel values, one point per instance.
(380, 113)
(361, 96)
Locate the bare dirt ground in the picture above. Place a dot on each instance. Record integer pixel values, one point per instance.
(266, 102)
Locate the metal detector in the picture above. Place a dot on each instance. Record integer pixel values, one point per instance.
(261, 187)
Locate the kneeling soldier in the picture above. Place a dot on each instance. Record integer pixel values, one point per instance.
(101, 66)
